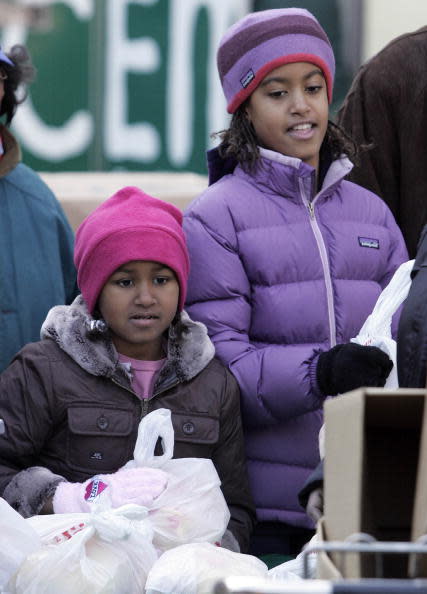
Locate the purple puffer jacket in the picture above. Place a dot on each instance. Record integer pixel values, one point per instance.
(277, 279)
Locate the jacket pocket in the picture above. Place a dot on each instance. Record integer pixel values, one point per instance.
(99, 438)
(196, 428)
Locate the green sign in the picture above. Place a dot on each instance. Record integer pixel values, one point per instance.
(131, 85)
(124, 85)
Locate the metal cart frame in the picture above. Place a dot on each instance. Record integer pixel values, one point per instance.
(359, 543)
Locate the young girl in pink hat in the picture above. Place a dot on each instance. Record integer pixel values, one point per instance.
(71, 403)
(287, 257)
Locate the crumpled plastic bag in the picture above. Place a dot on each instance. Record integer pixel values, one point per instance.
(293, 570)
(192, 508)
(376, 331)
(194, 568)
(108, 551)
(17, 540)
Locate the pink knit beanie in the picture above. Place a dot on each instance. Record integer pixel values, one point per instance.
(129, 226)
(262, 41)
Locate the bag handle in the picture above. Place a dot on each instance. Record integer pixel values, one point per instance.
(378, 323)
(157, 424)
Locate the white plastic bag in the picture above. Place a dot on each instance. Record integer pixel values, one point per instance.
(376, 331)
(192, 508)
(108, 551)
(294, 569)
(17, 540)
(193, 568)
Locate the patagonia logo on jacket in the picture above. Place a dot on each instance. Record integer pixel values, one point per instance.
(368, 242)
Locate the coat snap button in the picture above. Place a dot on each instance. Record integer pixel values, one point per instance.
(102, 422)
(188, 428)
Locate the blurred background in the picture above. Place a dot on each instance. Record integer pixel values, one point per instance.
(132, 85)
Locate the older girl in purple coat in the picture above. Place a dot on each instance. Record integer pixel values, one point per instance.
(287, 257)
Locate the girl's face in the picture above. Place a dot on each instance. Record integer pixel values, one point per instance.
(139, 302)
(289, 111)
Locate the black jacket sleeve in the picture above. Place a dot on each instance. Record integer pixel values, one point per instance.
(412, 330)
(314, 481)
(25, 412)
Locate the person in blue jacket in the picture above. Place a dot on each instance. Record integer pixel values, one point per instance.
(36, 240)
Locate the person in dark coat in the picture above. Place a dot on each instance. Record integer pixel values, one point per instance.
(72, 402)
(412, 331)
(411, 362)
(386, 109)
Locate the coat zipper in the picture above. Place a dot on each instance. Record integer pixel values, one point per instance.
(145, 401)
(325, 262)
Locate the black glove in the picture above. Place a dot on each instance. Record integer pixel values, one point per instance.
(311, 495)
(349, 366)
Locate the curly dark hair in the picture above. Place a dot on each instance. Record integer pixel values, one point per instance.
(240, 141)
(19, 75)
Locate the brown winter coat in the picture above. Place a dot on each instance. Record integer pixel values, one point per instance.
(70, 412)
(387, 107)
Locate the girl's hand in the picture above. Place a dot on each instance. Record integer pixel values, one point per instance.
(132, 485)
(314, 507)
(349, 366)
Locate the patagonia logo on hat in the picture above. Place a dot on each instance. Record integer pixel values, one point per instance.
(93, 489)
(249, 76)
(368, 242)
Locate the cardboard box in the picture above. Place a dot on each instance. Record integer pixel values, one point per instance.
(376, 472)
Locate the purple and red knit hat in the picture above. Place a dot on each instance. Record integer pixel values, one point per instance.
(262, 41)
(129, 226)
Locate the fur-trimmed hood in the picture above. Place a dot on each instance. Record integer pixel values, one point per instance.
(189, 348)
